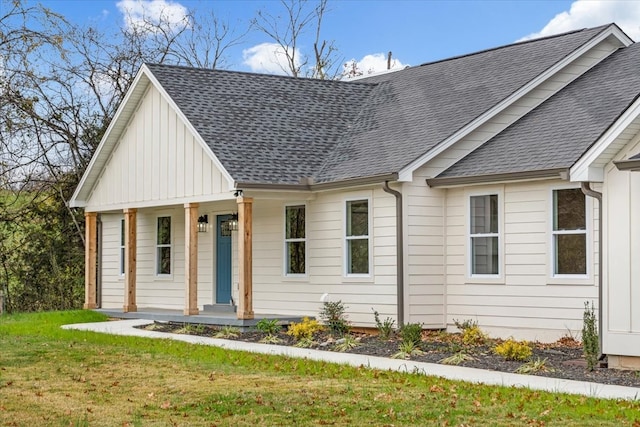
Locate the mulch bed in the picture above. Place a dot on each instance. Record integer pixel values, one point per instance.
(564, 358)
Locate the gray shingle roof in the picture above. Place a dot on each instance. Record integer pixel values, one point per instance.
(279, 130)
(558, 132)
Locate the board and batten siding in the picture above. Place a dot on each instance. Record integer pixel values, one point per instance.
(621, 299)
(274, 292)
(526, 301)
(157, 161)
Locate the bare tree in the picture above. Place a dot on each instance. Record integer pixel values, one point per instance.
(288, 33)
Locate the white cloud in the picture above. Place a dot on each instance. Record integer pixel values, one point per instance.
(592, 13)
(370, 64)
(267, 58)
(143, 14)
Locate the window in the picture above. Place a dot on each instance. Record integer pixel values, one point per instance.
(122, 234)
(357, 237)
(569, 234)
(295, 239)
(484, 235)
(163, 245)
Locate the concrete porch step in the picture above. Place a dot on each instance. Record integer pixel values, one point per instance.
(219, 308)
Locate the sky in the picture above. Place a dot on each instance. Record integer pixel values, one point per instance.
(415, 31)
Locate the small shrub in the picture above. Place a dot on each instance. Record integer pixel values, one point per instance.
(385, 328)
(590, 344)
(227, 332)
(406, 350)
(456, 359)
(411, 333)
(271, 339)
(465, 324)
(514, 350)
(474, 336)
(534, 366)
(333, 315)
(305, 342)
(346, 343)
(269, 327)
(304, 329)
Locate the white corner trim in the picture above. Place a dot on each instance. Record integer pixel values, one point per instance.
(406, 174)
(583, 169)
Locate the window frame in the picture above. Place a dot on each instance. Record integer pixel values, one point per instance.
(558, 278)
(158, 246)
(346, 256)
(485, 278)
(123, 239)
(285, 264)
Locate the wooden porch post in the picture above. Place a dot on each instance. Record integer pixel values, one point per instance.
(191, 259)
(90, 259)
(245, 257)
(130, 249)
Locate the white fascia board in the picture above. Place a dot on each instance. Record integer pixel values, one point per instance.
(406, 174)
(584, 170)
(193, 130)
(108, 140)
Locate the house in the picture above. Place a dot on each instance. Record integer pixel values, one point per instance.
(497, 186)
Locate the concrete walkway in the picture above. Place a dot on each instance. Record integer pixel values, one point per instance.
(555, 385)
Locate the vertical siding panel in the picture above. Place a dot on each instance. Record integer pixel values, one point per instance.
(163, 147)
(172, 167)
(206, 174)
(155, 146)
(188, 164)
(148, 145)
(180, 160)
(198, 158)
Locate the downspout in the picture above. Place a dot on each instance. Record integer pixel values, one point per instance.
(586, 189)
(399, 252)
(99, 263)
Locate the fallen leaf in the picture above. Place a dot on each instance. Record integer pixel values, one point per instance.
(165, 405)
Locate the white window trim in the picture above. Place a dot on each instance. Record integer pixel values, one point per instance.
(485, 278)
(285, 258)
(170, 246)
(570, 279)
(369, 237)
(122, 237)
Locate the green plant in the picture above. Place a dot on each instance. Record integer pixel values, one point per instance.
(268, 326)
(473, 335)
(304, 329)
(465, 324)
(590, 344)
(406, 350)
(411, 333)
(305, 342)
(456, 359)
(227, 332)
(513, 350)
(345, 343)
(271, 339)
(333, 315)
(385, 328)
(533, 366)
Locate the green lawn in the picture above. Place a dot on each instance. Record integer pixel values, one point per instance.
(50, 376)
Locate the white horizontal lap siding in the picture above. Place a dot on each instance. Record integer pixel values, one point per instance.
(274, 292)
(622, 252)
(522, 302)
(512, 113)
(424, 254)
(156, 159)
(112, 282)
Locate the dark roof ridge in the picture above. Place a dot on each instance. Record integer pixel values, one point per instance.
(466, 55)
(250, 73)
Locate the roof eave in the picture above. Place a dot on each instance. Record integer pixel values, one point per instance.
(345, 183)
(628, 165)
(559, 173)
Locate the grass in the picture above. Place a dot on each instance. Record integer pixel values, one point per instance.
(54, 377)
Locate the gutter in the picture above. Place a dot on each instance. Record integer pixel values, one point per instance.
(307, 184)
(498, 177)
(586, 189)
(399, 252)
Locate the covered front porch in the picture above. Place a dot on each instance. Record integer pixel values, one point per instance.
(176, 261)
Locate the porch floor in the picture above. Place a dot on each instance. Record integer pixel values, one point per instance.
(204, 318)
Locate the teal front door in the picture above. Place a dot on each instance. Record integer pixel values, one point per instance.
(223, 260)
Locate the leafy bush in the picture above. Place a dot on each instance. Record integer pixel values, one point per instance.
(465, 324)
(346, 343)
(227, 332)
(474, 336)
(514, 350)
(406, 350)
(590, 344)
(456, 359)
(411, 333)
(385, 328)
(534, 366)
(305, 329)
(269, 327)
(333, 315)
